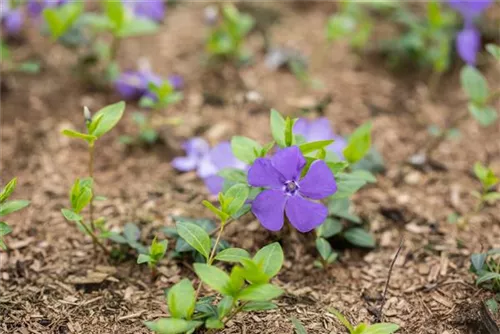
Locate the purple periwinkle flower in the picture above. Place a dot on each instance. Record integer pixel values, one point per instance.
(176, 81)
(319, 129)
(207, 162)
(36, 7)
(149, 9)
(287, 193)
(133, 85)
(12, 20)
(468, 41)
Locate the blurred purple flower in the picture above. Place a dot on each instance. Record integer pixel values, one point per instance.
(207, 162)
(470, 9)
(319, 129)
(36, 7)
(133, 85)
(12, 20)
(468, 44)
(468, 41)
(287, 194)
(150, 9)
(176, 81)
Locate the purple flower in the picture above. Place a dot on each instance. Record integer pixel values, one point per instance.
(470, 9)
(176, 81)
(314, 130)
(36, 7)
(289, 194)
(468, 44)
(207, 162)
(12, 20)
(133, 85)
(150, 9)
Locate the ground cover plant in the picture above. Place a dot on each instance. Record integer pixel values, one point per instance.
(260, 178)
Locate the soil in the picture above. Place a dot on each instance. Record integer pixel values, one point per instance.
(46, 276)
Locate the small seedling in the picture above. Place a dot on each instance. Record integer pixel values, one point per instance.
(82, 192)
(381, 328)
(155, 253)
(7, 207)
(9, 66)
(487, 268)
(226, 39)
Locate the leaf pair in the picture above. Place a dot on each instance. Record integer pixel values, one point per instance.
(231, 201)
(60, 19)
(156, 252)
(7, 207)
(101, 123)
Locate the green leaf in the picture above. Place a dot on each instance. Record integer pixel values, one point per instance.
(245, 149)
(83, 199)
(8, 190)
(213, 277)
(342, 319)
(71, 216)
(492, 305)
(253, 272)
(347, 185)
(137, 27)
(131, 232)
(492, 197)
(488, 277)
(314, 146)
(233, 175)
(235, 197)
(110, 116)
(232, 255)
(172, 326)
(359, 237)
(158, 249)
(485, 175)
(485, 115)
(341, 207)
(4, 229)
(270, 259)
(339, 26)
(12, 206)
(478, 260)
(79, 135)
(474, 84)
(143, 258)
(494, 50)
(181, 299)
(299, 328)
(278, 128)
(222, 215)
(115, 12)
(382, 328)
(364, 175)
(259, 306)
(225, 306)
(260, 292)
(289, 139)
(195, 236)
(214, 323)
(60, 19)
(29, 67)
(324, 248)
(329, 228)
(358, 143)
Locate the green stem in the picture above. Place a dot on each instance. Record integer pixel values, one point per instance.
(95, 239)
(91, 175)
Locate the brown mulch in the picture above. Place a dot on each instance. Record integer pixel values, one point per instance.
(50, 281)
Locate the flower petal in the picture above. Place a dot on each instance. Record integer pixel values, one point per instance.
(263, 174)
(214, 184)
(289, 162)
(319, 181)
(196, 146)
(185, 164)
(206, 167)
(269, 208)
(468, 44)
(305, 215)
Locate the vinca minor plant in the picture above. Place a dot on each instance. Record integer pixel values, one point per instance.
(82, 192)
(7, 207)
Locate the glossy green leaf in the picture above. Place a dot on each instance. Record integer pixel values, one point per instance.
(8, 190)
(12, 206)
(115, 12)
(222, 215)
(172, 326)
(110, 116)
(478, 260)
(213, 277)
(245, 149)
(259, 306)
(324, 248)
(382, 328)
(195, 236)
(214, 323)
(358, 143)
(347, 185)
(494, 50)
(270, 259)
(329, 228)
(79, 135)
(137, 27)
(278, 128)
(260, 292)
(232, 255)
(359, 237)
(342, 319)
(71, 216)
(233, 175)
(474, 84)
(341, 207)
(314, 146)
(235, 197)
(225, 306)
(181, 299)
(143, 258)
(4, 229)
(487, 277)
